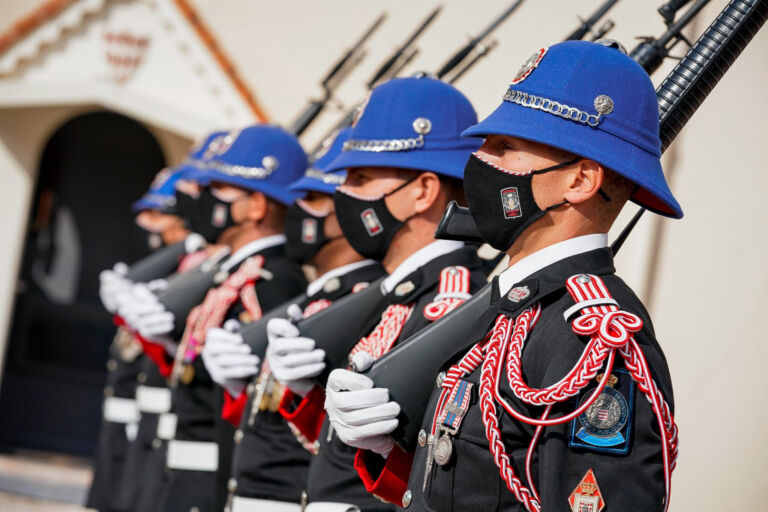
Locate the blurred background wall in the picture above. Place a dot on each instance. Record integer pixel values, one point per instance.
(703, 278)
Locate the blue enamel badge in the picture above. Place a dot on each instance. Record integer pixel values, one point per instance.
(606, 425)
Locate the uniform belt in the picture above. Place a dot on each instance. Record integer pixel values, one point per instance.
(153, 400)
(166, 426)
(120, 410)
(240, 504)
(330, 506)
(193, 455)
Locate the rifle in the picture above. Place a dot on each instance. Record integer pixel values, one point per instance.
(650, 53)
(588, 24)
(390, 68)
(475, 44)
(255, 333)
(164, 261)
(423, 355)
(335, 76)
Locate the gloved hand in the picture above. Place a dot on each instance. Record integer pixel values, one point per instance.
(134, 302)
(361, 414)
(228, 359)
(112, 283)
(145, 313)
(293, 359)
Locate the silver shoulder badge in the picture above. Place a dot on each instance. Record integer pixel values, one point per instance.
(529, 65)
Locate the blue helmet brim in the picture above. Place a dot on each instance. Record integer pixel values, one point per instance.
(635, 164)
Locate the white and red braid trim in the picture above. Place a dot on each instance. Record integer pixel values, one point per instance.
(609, 329)
(211, 313)
(452, 291)
(386, 332)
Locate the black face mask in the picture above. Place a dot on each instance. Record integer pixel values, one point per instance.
(367, 223)
(145, 241)
(213, 217)
(187, 208)
(305, 233)
(502, 202)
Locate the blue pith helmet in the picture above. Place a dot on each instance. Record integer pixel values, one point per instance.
(316, 178)
(261, 158)
(160, 195)
(411, 123)
(202, 151)
(596, 102)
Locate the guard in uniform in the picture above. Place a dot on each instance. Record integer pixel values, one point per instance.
(564, 400)
(405, 160)
(251, 171)
(270, 464)
(120, 414)
(144, 473)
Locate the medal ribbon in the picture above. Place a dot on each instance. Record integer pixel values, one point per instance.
(458, 403)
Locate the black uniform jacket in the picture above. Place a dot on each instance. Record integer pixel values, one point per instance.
(198, 404)
(332, 476)
(269, 462)
(112, 447)
(627, 482)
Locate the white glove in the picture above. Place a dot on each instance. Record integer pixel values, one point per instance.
(361, 414)
(135, 301)
(228, 359)
(111, 284)
(293, 359)
(147, 314)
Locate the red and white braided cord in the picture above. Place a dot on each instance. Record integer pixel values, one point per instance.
(609, 329)
(386, 332)
(217, 301)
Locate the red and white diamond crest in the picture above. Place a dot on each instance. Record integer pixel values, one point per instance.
(124, 53)
(586, 496)
(371, 222)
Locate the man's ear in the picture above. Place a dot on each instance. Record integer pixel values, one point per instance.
(584, 181)
(427, 191)
(257, 207)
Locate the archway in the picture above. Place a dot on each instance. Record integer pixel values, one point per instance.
(90, 171)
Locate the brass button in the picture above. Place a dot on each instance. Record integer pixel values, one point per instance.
(232, 485)
(141, 378)
(157, 444)
(440, 379)
(239, 435)
(422, 438)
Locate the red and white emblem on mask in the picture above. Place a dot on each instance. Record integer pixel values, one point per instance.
(371, 222)
(219, 217)
(510, 201)
(309, 231)
(586, 496)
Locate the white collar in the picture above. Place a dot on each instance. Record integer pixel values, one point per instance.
(317, 285)
(547, 256)
(252, 248)
(419, 258)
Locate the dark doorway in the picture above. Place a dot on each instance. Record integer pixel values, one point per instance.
(91, 170)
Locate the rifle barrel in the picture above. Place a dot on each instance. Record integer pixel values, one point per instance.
(586, 25)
